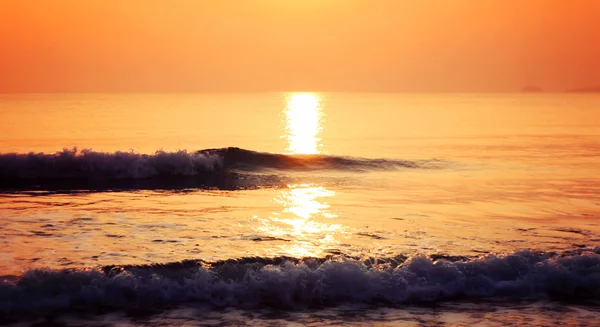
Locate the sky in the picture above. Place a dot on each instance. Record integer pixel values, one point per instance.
(298, 45)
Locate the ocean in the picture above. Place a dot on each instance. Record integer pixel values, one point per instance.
(300, 209)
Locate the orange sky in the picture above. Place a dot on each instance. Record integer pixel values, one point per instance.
(280, 45)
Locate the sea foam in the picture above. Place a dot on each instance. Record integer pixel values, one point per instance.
(87, 169)
(288, 283)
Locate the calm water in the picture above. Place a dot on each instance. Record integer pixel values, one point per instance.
(416, 209)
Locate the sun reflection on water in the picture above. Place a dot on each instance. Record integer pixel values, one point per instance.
(303, 119)
(304, 217)
(301, 200)
(303, 221)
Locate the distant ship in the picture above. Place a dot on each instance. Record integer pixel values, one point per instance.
(531, 89)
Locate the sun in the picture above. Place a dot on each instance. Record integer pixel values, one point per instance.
(303, 118)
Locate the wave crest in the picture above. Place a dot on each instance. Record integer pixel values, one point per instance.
(86, 169)
(288, 283)
(237, 158)
(73, 165)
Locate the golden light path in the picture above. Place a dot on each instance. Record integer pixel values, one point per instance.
(299, 220)
(304, 214)
(303, 119)
(301, 200)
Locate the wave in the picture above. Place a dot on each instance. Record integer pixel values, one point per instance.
(86, 168)
(221, 168)
(290, 283)
(236, 158)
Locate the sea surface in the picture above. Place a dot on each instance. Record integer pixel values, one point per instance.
(291, 209)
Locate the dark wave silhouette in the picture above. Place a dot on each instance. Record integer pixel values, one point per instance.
(236, 158)
(223, 168)
(291, 283)
(73, 169)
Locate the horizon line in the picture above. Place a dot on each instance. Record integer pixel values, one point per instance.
(578, 90)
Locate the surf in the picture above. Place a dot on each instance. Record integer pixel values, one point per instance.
(222, 168)
(287, 283)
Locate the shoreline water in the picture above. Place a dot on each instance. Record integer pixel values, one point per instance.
(416, 209)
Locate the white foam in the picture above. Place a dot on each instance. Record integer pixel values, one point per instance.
(292, 284)
(88, 164)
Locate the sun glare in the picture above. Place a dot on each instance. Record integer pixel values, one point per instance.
(303, 118)
(301, 200)
(304, 218)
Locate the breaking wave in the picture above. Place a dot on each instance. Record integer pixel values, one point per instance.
(74, 169)
(290, 283)
(237, 158)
